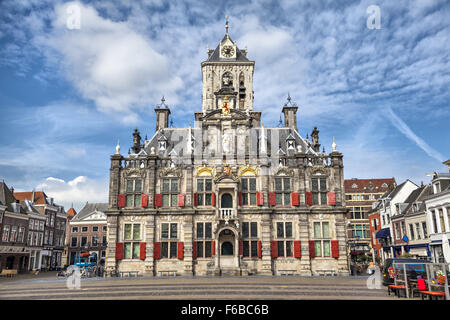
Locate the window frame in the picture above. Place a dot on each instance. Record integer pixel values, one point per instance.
(133, 194)
(282, 194)
(169, 244)
(171, 194)
(202, 194)
(248, 195)
(285, 242)
(250, 240)
(133, 242)
(319, 193)
(321, 239)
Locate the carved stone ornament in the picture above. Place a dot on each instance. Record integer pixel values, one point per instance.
(319, 171)
(283, 171)
(134, 172)
(248, 170)
(170, 172)
(205, 171)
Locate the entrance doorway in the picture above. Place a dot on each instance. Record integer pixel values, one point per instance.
(227, 249)
(228, 259)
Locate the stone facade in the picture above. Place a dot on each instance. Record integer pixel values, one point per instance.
(227, 196)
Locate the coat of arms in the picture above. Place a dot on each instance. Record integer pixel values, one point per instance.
(225, 108)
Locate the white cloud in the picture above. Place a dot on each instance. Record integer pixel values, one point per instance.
(76, 191)
(108, 62)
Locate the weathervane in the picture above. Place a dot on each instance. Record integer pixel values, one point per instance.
(226, 24)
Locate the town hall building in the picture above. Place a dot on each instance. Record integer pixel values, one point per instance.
(227, 196)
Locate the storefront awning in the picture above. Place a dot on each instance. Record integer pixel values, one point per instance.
(383, 233)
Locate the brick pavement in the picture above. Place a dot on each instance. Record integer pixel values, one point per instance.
(47, 286)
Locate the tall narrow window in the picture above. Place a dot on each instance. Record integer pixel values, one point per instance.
(248, 191)
(204, 192)
(170, 192)
(283, 191)
(322, 239)
(132, 238)
(134, 193)
(204, 239)
(319, 191)
(5, 237)
(284, 239)
(249, 239)
(169, 236)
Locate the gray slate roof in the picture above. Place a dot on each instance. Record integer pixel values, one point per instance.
(178, 137)
(7, 199)
(90, 208)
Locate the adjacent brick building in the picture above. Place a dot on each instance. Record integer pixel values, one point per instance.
(14, 252)
(54, 229)
(88, 231)
(360, 194)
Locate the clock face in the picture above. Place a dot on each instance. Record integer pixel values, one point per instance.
(228, 51)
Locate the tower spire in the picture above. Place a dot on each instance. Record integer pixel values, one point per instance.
(226, 24)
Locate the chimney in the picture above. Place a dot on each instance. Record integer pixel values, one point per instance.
(290, 114)
(32, 198)
(162, 115)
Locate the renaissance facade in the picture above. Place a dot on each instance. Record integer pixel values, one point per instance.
(227, 195)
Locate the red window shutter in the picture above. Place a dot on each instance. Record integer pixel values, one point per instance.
(259, 249)
(213, 199)
(312, 251)
(274, 249)
(213, 248)
(294, 198)
(180, 250)
(240, 198)
(272, 199)
(181, 199)
(121, 200)
(332, 198)
(119, 250)
(144, 200)
(241, 248)
(158, 200)
(297, 249)
(195, 199)
(309, 198)
(157, 250)
(334, 248)
(259, 198)
(142, 253)
(194, 250)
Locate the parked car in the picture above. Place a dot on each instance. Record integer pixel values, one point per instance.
(415, 268)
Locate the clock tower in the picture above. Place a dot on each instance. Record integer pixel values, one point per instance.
(227, 76)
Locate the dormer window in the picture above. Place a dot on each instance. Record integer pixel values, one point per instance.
(291, 144)
(384, 185)
(437, 187)
(354, 186)
(162, 145)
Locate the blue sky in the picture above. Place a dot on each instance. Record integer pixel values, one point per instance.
(67, 96)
